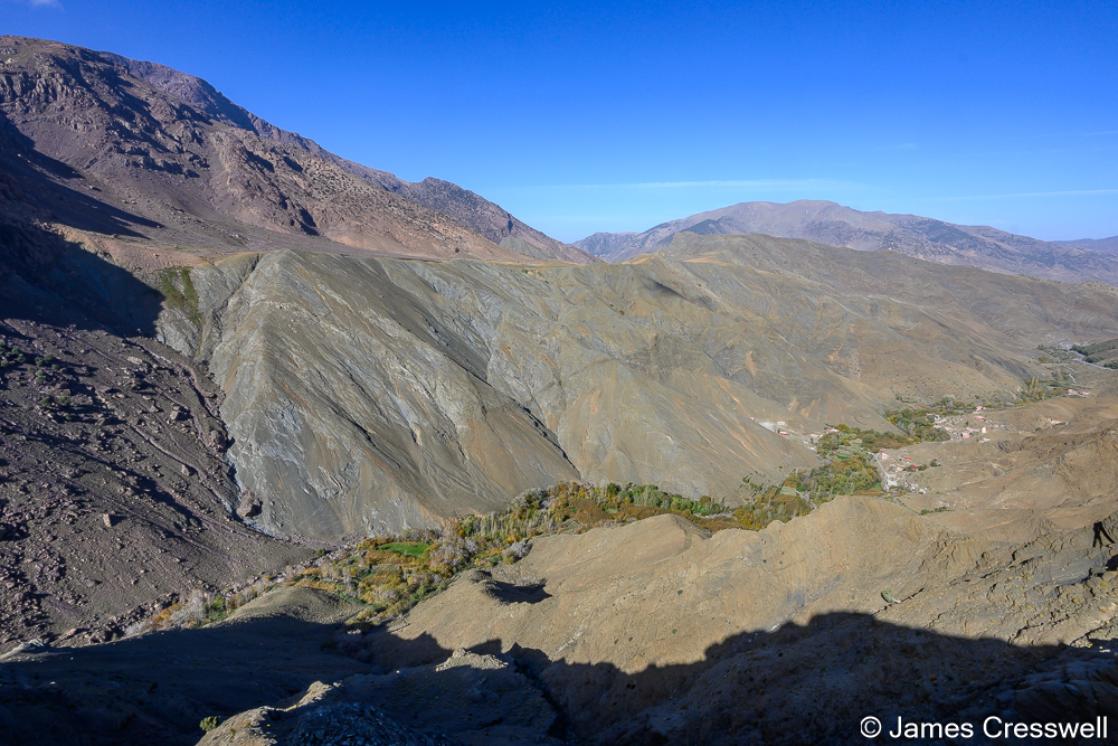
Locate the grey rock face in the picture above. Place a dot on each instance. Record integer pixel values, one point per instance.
(353, 410)
(367, 394)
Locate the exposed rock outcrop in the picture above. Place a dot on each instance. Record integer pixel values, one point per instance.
(366, 394)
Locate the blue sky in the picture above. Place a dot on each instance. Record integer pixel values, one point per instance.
(591, 116)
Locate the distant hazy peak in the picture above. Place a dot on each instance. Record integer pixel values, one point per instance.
(837, 225)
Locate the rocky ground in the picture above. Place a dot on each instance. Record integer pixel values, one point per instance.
(302, 390)
(1052, 464)
(379, 394)
(985, 590)
(659, 631)
(652, 632)
(114, 488)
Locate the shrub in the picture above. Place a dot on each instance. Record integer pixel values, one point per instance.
(177, 288)
(216, 610)
(190, 611)
(407, 548)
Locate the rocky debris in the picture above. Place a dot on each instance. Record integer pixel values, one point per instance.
(484, 218)
(478, 699)
(132, 511)
(317, 724)
(249, 505)
(313, 722)
(1054, 463)
(31, 646)
(360, 394)
(657, 631)
(163, 685)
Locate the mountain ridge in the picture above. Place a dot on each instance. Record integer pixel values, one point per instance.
(170, 147)
(830, 223)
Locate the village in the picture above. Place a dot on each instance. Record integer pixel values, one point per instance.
(898, 469)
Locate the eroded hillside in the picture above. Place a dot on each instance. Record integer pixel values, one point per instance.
(368, 394)
(658, 630)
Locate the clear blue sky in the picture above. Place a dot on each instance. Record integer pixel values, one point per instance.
(585, 116)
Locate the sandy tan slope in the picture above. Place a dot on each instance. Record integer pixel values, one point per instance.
(655, 631)
(1051, 465)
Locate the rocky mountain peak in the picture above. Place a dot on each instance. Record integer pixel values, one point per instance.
(168, 147)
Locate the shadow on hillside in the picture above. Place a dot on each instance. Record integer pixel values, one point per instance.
(813, 682)
(43, 276)
(156, 688)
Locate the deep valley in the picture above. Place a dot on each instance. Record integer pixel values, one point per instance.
(294, 451)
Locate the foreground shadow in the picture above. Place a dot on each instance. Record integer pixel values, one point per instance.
(45, 277)
(798, 683)
(156, 688)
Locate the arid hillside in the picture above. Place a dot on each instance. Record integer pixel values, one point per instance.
(189, 170)
(369, 394)
(658, 630)
(116, 494)
(293, 451)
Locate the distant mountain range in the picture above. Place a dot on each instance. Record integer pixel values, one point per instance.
(183, 165)
(177, 164)
(920, 237)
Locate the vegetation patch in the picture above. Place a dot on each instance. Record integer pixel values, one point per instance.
(407, 548)
(844, 441)
(387, 576)
(1100, 353)
(850, 471)
(772, 502)
(178, 292)
(919, 423)
(851, 468)
(11, 355)
(1038, 389)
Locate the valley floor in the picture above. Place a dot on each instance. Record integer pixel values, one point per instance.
(991, 589)
(232, 364)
